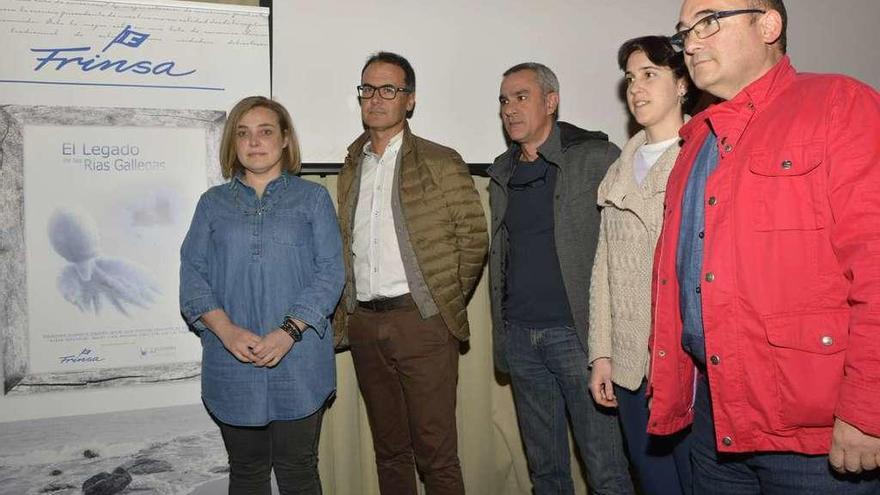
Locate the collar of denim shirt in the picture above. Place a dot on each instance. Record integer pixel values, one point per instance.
(281, 181)
(245, 197)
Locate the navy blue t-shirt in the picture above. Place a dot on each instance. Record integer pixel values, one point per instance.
(534, 291)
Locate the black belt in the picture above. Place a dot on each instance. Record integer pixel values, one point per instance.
(388, 303)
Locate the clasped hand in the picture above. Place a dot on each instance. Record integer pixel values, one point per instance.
(249, 347)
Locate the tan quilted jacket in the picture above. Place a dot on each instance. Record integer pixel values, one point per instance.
(444, 219)
(620, 289)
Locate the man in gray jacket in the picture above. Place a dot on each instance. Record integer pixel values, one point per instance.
(545, 228)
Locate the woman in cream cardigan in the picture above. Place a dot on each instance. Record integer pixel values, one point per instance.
(631, 197)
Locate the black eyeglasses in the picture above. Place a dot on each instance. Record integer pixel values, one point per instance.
(386, 92)
(707, 26)
(531, 184)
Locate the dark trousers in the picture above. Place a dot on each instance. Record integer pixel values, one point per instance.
(763, 474)
(663, 464)
(407, 371)
(288, 447)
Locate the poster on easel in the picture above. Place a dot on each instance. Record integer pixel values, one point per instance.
(111, 114)
(107, 197)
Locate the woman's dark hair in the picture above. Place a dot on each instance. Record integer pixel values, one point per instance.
(659, 51)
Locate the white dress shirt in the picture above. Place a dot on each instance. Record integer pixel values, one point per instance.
(378, 266)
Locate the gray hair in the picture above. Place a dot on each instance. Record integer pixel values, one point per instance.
(546, 78)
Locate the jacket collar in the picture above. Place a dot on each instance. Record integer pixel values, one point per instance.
(751, 100)
(502, 168)
(619, 183)
(619, 180)
(551, 149)
(562, 137)
(761, 92)
(356, 148)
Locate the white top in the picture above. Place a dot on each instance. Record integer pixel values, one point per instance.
(378, 267)
(646, 156)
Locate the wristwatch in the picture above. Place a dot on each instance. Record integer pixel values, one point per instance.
(290, 328)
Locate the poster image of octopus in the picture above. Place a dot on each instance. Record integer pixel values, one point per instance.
(107, 198)
(91, 280)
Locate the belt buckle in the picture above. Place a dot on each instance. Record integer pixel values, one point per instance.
(384, 304)
(374, 305)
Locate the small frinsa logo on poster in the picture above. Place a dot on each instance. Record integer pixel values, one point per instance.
(86, 355)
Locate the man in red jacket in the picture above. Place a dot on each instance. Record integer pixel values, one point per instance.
(766, 297)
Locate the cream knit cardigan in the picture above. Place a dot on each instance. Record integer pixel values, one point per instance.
(620, 289)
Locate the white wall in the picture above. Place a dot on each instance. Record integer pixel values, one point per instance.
(459, 49)
(836, 36)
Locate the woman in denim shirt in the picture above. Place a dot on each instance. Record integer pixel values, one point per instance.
(261, 271)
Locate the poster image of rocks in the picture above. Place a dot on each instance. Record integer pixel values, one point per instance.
(106, 196)
(161, 451)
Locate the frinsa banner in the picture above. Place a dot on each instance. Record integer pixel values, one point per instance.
(110, 121)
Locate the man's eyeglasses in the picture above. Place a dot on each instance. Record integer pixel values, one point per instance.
(706, 27)
(386, 92)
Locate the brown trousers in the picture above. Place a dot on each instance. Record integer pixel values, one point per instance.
(407, 370)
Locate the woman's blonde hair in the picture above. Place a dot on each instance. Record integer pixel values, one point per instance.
(290, 157)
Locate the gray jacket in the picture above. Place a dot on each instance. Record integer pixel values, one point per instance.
(582, 159)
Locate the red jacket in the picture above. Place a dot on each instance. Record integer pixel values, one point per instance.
(791, 284)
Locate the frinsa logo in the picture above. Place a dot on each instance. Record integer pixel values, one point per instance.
(80, 58)
(86, 355)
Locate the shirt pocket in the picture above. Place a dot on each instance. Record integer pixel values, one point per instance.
(290, 226)
(808, 359)
(787, 187)
(219, 366)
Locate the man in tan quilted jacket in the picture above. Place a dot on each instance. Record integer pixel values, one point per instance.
(414, 241)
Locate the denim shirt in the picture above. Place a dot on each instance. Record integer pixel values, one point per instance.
(689, 259)
(261, 260)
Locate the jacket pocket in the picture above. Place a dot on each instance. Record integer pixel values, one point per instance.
(808, 358)
(786, 187)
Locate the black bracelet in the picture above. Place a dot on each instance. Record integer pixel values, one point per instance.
(290, 328)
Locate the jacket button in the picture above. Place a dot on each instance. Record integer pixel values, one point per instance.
(712, 201)
(727, 441)
(728, 148)
(663, 282)
(715, 359)
(710, 277)
(661, 353)
(786, 164)
(827, 340)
